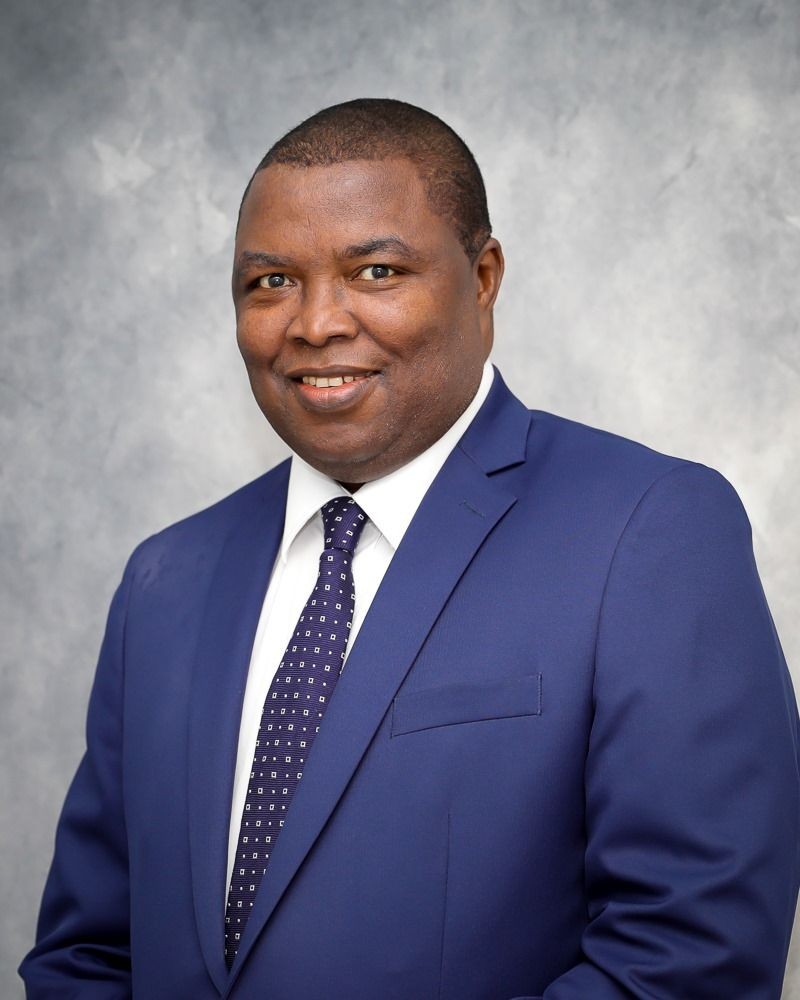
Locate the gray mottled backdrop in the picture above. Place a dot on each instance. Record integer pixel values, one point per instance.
(643, 164)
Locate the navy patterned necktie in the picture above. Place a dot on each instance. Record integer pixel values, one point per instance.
(294, 706)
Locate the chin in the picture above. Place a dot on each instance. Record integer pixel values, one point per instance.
(349, 474)
(344, 466)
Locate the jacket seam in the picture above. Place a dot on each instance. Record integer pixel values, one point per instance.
(128, 579)
(645, 494)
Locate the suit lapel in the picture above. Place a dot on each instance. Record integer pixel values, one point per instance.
(458, 512)
(221, 664)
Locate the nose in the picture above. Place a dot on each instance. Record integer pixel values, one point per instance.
(323, 313)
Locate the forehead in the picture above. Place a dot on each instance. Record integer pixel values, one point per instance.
(341, 203)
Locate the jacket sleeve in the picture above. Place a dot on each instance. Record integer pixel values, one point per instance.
(692, 771)
(82, 942)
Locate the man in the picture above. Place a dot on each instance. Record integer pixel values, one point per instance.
(561, 758)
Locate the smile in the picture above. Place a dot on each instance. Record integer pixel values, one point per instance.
(331, 381)
(334, 391)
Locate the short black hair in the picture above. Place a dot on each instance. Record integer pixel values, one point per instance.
(372, 128)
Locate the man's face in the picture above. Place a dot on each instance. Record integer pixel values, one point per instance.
(362, 322)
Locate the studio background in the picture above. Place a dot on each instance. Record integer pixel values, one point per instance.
(642, 161)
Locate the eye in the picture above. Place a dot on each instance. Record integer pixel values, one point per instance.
(273, 281)
(374, 272)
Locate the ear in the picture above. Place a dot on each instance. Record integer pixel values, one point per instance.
(488, 270)
(488, 267)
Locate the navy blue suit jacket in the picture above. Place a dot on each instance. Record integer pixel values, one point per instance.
(561, 761)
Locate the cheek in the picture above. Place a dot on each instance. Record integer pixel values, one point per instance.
(409, 328)
(425, 340)
(257, 348)
(248, 341)
(258, 336)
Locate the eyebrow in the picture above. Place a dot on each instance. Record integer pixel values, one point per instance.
(258, 259)
(379, 244)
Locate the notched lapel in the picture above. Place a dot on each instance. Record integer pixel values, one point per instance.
(221, 664)
(461, 508)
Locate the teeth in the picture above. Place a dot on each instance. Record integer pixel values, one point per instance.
(322, 382)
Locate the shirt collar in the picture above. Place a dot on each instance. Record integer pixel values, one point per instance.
(391, 501)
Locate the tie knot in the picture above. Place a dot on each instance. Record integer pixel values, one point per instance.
(343, 520)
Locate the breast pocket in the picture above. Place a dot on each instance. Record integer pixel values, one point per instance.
(455, 704)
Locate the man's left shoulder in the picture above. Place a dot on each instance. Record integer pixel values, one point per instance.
(595, 449)
(615, 473)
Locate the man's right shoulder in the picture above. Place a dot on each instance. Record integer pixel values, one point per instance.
(201, 535)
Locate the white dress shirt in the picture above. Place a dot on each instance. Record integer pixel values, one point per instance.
(390, 503)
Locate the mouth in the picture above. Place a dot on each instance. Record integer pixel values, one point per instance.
(326, 389)
(333, 381)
